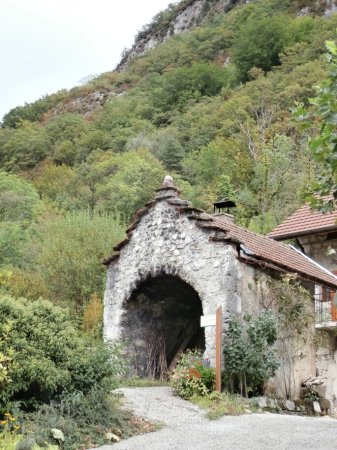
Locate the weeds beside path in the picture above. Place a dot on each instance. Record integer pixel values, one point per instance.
(186, 427)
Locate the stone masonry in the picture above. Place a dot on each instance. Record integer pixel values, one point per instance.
(178, 263)
(166, 242)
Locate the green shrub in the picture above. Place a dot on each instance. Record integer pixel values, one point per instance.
(191, 378)
(48, 357)
(207, 376)
(220, 404)
(57, 381)
(248, 354)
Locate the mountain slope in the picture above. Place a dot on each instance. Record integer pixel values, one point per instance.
(210, 102)
(211, 105)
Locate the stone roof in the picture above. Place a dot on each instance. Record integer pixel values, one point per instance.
(305, 221)
(252, 248)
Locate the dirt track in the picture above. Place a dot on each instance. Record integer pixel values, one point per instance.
(186, 428)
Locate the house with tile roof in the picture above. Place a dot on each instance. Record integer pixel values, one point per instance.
(179, 263)
(315, 234)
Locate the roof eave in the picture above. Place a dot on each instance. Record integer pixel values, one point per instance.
(283, 237)
(264, 262)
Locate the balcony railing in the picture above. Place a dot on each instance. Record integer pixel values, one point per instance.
(325, 310)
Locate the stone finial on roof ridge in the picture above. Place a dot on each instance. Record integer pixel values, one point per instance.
(168, 181)
(167, 188)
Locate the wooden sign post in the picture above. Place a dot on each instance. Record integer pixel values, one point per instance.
(218, 331)
(212, 320)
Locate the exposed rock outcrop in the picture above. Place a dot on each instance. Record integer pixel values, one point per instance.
(184, 16)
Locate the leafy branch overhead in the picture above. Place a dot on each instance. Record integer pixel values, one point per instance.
(321, 120)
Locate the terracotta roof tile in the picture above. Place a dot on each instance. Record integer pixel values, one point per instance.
(305, 221)
(277, 253)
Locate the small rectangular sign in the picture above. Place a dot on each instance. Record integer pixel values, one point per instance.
(208, 320)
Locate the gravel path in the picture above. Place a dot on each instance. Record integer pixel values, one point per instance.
(186, 428)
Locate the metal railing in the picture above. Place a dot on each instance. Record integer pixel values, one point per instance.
(325, 310)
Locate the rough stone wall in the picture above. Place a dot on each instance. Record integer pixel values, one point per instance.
(327, 368)
(317, 247)
(330, 8)
(256, 294)
(166, 242)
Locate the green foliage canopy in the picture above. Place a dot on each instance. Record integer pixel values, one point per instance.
(24, 147)
(32, 111)
(19, 206)
(19, 201)
(259, 43)
(323, 119)
(69, 252)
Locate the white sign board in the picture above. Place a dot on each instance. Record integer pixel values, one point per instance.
(208, 321)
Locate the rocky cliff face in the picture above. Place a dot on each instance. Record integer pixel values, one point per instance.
(176, 19)
(184, 16)
(324, 7)
(190, 13)
(330, 7)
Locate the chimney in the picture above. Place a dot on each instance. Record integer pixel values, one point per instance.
(220, 206)
(225, 217)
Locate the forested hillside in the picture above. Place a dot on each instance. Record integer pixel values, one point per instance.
(207, 94)
(211, 105)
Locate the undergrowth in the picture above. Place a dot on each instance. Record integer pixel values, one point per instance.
(223, 404)
(83, 420)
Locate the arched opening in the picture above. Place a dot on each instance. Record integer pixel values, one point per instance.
(160, 320)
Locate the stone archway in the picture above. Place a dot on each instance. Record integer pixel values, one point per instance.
(160, 319)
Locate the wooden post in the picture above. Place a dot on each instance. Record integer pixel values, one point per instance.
(218, 332)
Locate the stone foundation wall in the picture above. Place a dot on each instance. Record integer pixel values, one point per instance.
(319, 248)
(326, 358)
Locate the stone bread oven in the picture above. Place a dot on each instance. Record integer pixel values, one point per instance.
(166, 276)
(178, 263)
